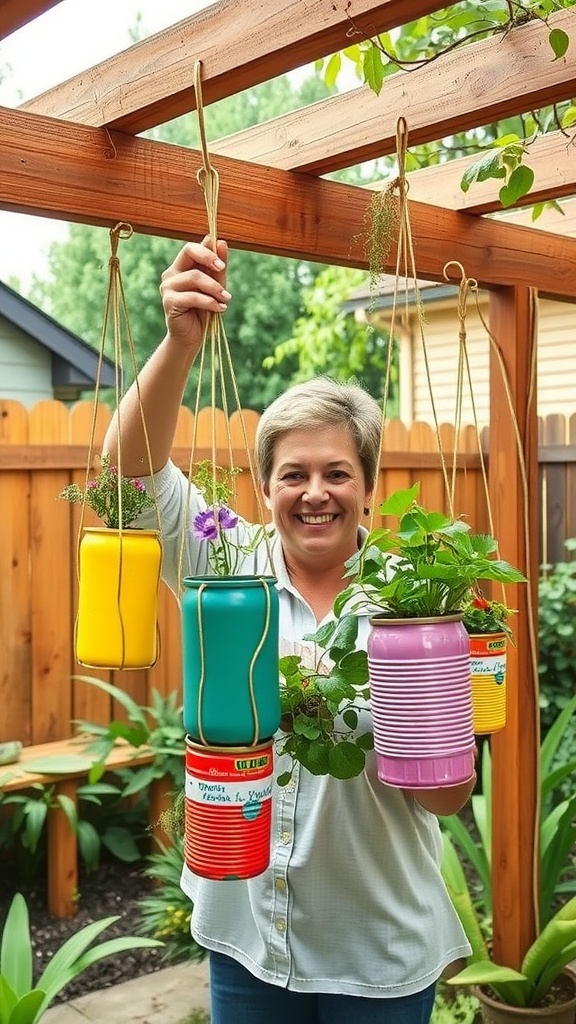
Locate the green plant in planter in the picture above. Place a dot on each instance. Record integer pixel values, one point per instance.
(23, 1001)
(543, 963)
(107, 496)
(557, 823)
(555, 946)
(482, 615)
(429, 566)
(320, 706)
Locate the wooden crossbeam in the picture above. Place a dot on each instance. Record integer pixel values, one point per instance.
(240, 45)
(479, 84)
(552, 158)
(16, 13)
(86, 174)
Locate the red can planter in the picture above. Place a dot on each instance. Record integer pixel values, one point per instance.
(228, 810)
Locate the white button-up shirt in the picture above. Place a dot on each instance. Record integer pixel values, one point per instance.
(353, 900)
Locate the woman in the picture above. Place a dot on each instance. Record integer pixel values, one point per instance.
(351, 921)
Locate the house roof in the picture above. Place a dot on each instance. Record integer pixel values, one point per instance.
(74, 362)
(382, 297)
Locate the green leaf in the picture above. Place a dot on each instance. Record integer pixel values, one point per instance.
(559, 41)
(284, 779)
(350, 718)
(569, 117)
(89, 844)
(373, 68)
(36, 812)
(346, 760)
(488, 166)
(332, 70)
(27, 1009)
(16, 947)
(314, 757)
(518, 185)
(399, 502)
(121, 843)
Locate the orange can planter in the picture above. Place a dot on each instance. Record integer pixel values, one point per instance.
(119, 579)
(228, 810)
(488, 676)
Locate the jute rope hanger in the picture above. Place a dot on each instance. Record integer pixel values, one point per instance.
(215, 351)
(116, 313)
(215, 348)
(405, 264)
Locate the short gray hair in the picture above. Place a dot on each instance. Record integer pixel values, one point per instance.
(322, 402)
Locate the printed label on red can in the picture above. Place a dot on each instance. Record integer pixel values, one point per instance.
(237, 793)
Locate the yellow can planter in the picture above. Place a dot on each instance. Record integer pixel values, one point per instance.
(119, 578)
(488, 675)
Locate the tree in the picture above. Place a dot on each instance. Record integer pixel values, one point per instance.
(329, 340)
(266, 289)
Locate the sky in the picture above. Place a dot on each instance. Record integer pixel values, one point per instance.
(67, 39)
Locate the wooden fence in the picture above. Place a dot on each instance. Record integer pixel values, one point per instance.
(45, 448)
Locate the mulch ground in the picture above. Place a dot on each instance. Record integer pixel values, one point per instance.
(114, 889)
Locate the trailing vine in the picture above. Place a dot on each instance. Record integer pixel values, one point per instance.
(421, 42)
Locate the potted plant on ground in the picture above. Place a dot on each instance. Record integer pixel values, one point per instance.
(416, 581)
(118, 574)
(544, 989)
(556, 845)
(486, 622)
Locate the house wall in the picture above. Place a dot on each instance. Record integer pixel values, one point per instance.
(556, 362)
(25, 367)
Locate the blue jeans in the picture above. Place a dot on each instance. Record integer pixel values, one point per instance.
(239, 998)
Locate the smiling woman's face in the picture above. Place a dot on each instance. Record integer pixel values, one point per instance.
(317, 492)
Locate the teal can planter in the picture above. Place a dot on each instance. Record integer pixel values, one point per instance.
(231, 692)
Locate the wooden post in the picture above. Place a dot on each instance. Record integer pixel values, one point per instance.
(515, 750)
(62, 856)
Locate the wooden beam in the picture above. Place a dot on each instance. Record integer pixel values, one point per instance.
(515, 750)
(16, 13)
(481, 83)
(240, 43)
(78, 173)
(552, 158)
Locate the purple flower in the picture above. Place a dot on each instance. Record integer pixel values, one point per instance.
(92, 485)
(138, 486)
(227, 518)
(205, 524)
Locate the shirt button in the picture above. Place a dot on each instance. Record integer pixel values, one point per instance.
(280, 885)
(281, 925)
(285, 838)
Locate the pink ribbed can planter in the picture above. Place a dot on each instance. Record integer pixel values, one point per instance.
(421, 699)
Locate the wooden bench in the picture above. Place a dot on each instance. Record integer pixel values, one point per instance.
(62, 844)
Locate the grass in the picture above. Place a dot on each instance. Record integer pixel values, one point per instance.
(197, 1017)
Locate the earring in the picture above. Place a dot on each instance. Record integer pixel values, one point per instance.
(366, 511)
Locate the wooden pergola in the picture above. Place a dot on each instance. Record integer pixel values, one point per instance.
(73, 153)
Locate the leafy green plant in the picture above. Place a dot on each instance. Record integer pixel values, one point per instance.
(557, 642)
(320, 706)
(159, 727)
(487, 616)
(27, 823)
(557, 825)
(167, 911)
(23, 1001)
(430, 566)
(544, 961)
